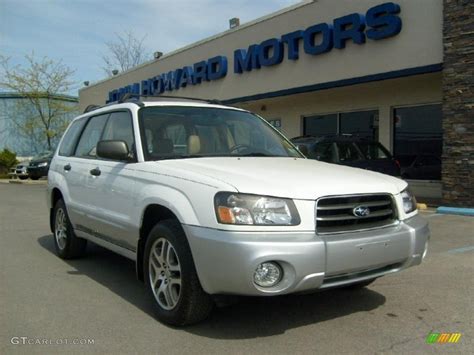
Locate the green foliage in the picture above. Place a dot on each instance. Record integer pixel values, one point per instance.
(44, 111)
(7, 159)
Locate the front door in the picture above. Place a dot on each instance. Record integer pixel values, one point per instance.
(114, 187)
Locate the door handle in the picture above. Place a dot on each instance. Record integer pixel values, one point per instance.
(95, 172)
(67, 167)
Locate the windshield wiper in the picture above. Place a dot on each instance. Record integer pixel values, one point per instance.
(170, 157)
(258, 154)
(188, 156)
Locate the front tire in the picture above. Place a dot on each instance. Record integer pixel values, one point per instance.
(68, 245)
(171, 278)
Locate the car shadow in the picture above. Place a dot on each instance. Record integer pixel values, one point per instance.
(109, 269)
(248, 317)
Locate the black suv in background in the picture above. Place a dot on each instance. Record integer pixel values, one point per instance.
(39, 165)
(421, 167)
(349, 150)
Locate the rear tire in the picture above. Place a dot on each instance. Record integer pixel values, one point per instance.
(171, 278)
(68, 245)
(34, 177)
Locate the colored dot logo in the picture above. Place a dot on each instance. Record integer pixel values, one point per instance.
(443, 338)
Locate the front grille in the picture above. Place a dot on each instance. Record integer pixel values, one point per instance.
(335, 214)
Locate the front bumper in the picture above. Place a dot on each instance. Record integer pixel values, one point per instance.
(226, 261)
(21, 173)
(38, 171)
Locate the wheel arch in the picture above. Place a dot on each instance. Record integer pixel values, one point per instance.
(56, 195)
(152, 214)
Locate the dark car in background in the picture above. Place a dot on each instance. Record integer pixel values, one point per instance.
(420, 167)
(349, 150)
(39, 165)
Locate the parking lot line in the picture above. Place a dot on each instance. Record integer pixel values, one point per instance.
(461, 250)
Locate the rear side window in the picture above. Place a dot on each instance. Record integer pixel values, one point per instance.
(349, 152)
(87, 143)
(70, 138)
(323, 152)
(373, 151)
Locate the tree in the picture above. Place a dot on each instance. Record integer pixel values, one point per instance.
(125, 52)
(7, 159)
(43, 108)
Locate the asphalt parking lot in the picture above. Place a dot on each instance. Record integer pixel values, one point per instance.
(98, 300)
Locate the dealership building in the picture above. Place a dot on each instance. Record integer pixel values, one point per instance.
(401, 73)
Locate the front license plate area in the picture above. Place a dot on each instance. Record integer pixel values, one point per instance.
(351, 255)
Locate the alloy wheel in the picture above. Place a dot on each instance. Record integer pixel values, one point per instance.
(165, 274)
(60, 228)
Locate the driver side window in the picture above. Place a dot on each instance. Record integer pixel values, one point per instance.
(119, 127)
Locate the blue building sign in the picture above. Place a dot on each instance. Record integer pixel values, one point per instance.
(379, 22)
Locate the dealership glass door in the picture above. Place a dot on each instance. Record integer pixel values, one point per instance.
(418, 141)
(360, 123)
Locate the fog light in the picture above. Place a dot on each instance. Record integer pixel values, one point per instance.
(267, 274)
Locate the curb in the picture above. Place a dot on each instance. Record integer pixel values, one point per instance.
(456, 211)
(24, 182)
(421, 206)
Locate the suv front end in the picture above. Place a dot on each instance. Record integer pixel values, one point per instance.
(247, 261)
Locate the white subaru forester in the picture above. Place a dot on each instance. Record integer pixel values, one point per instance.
(212, 200)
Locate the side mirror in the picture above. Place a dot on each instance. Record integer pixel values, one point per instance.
(303, 149)
(115, 150)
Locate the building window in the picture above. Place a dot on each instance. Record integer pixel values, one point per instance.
(361, 123)
(417, 142)
(320, 125)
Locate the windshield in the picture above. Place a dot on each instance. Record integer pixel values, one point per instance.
(192, 132)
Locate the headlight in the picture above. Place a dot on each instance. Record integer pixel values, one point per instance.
(40, 165)
(234, 208)
(409, 201)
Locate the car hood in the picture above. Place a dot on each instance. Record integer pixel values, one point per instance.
(286, 177)
(38, 161)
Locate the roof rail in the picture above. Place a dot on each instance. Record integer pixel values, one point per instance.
(136, 97)
(90, 108)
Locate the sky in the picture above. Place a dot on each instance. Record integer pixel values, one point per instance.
(75, 31)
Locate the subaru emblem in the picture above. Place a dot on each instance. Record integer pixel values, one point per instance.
(361, 211)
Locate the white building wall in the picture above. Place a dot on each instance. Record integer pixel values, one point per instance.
(381, 95)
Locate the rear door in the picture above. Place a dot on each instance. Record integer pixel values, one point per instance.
(62, 170)
(80, 181)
